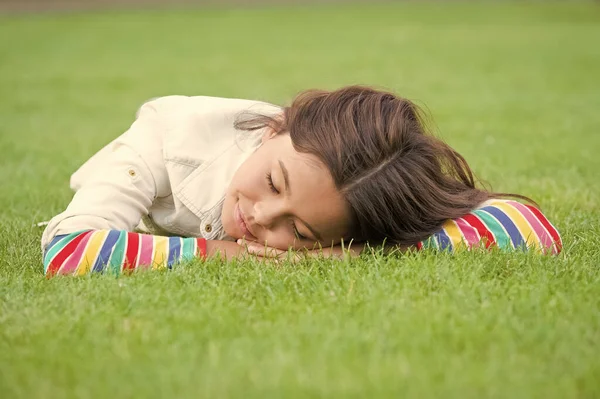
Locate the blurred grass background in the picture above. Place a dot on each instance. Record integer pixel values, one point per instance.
(513, 86)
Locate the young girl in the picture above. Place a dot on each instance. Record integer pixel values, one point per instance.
(194, 174)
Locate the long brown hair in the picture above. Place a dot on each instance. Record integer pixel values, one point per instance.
(400, 182)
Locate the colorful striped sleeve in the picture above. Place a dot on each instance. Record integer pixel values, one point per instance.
(119, 251)
(505, 224)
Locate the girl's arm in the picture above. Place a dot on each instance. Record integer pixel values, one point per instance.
(119, 184)
(120, 251)
(504, 224)
(113, 190)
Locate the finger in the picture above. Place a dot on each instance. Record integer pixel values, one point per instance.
(264, 251)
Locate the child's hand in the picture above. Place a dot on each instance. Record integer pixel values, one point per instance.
(262, 251)
(266, 252)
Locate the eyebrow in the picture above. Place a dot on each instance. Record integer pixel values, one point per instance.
(286, 180)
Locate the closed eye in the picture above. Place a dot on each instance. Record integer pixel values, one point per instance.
(275, 191)
(270, 182)
(296, 232)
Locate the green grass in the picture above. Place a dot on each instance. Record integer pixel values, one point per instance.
(514, 87)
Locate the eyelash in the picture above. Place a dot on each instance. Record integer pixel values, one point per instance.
(296, 232)
(271, 185)
(274, 190)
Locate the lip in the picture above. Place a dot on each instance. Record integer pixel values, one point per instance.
(241, 222)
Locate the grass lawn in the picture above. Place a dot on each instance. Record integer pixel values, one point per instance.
(514, 87)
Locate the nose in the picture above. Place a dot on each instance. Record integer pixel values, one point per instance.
(266, 213)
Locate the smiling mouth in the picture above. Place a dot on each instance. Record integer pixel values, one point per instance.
(239, 218)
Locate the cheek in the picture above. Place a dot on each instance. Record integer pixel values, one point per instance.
(280, 238)
(249, 182)
(247, 188)
(279, 242)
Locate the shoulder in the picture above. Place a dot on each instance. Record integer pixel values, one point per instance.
(194, 127)
(203, 106)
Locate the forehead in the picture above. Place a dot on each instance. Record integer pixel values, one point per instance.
(314, 197)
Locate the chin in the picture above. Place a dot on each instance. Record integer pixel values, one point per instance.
(228, 222)
(231, 232)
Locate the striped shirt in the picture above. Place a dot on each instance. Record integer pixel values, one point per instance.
(88, 251)
(505, 224)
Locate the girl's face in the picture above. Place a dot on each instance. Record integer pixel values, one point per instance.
(283, 198)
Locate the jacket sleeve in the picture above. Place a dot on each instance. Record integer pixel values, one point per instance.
(118, 185)
(504, 224)
(117, 251)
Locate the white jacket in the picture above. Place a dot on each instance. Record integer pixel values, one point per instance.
(167, 174)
